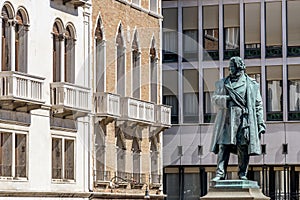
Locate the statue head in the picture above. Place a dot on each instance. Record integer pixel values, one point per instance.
(236, 65)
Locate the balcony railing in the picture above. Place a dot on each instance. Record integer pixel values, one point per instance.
(107, 105)
(67, 97)
(103, 175)
(21, 87)
(163, 115)
(137, 110)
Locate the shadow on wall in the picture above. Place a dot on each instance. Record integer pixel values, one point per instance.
(66, 8)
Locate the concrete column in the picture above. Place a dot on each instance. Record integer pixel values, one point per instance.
(200, 56)
(242, 32)
(284, 63)
(180, 53)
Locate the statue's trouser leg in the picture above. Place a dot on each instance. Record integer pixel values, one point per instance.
(243, 159)
(223, 158)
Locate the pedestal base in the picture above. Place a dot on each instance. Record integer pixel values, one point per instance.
(234, 189)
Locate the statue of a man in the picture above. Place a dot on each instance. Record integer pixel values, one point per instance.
(239, 121)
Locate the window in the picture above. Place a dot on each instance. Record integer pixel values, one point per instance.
(120, 63)
(121, 154)
(100, 132)
(170, 92)
(136, 62)
(57, 48)
(190, 96)
(293, 25)
(190, 33)
(12, 143)
(137, 2)
(153, 72)
(294, 92)
(69, 55)
(273, 30)
(7, 27)
(100, 57)
(170, 40)
(153, 5)
(210, 76)
(274, 93)
(252, 30)
(211, 32)
(21, 32)
(231, 31)
(63, 158)
(136, 159)
(63, 41)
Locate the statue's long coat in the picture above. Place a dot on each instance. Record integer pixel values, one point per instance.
(255, 117)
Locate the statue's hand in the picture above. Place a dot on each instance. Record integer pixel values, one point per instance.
(261, 132)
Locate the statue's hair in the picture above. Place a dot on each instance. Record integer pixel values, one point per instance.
(238, 62)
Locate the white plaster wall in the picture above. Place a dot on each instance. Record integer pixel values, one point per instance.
(42, 15)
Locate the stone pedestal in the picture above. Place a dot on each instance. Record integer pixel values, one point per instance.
(234, 190)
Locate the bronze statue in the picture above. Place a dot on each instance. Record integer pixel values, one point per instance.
(239, 121)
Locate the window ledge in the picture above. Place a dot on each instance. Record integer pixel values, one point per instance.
(14, 179)
(63, 181)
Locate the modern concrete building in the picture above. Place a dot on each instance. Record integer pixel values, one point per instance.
(199, 36)
(80, 99)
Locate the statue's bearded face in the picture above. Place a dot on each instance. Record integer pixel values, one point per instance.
(233, 68)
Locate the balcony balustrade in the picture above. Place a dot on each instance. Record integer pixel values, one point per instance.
(69, 100)
(163, 115)
(107, 105)
(20, 91)
(137, 110)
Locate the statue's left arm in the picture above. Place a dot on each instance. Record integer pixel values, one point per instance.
(260, 114)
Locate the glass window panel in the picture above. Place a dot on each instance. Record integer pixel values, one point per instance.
(190, 18)
(273, 24)
(69, 159)
(293, 23)
(274, 93)
(20, 155)
(5, 154)
(170, 82)
(190, 95)
(172, 186)
(190, 80)
(231, 15)
(172, 101)
(191, 186)
(210, 17)
(252, 23)
(294, 92)
(56, 158)
(211, 32)
(170, 18)
(190, 45)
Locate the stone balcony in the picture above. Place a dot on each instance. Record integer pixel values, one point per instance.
(69, 100)
(20, 91)
(107, 106)
(137, 111)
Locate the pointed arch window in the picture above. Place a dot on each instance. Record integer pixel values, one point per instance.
(120, 63)
(121, 153)
(136, 68)
(100, 134)
(69, 55)
(136, 158)
(100, 58)
(153, 72)
(21, 41)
